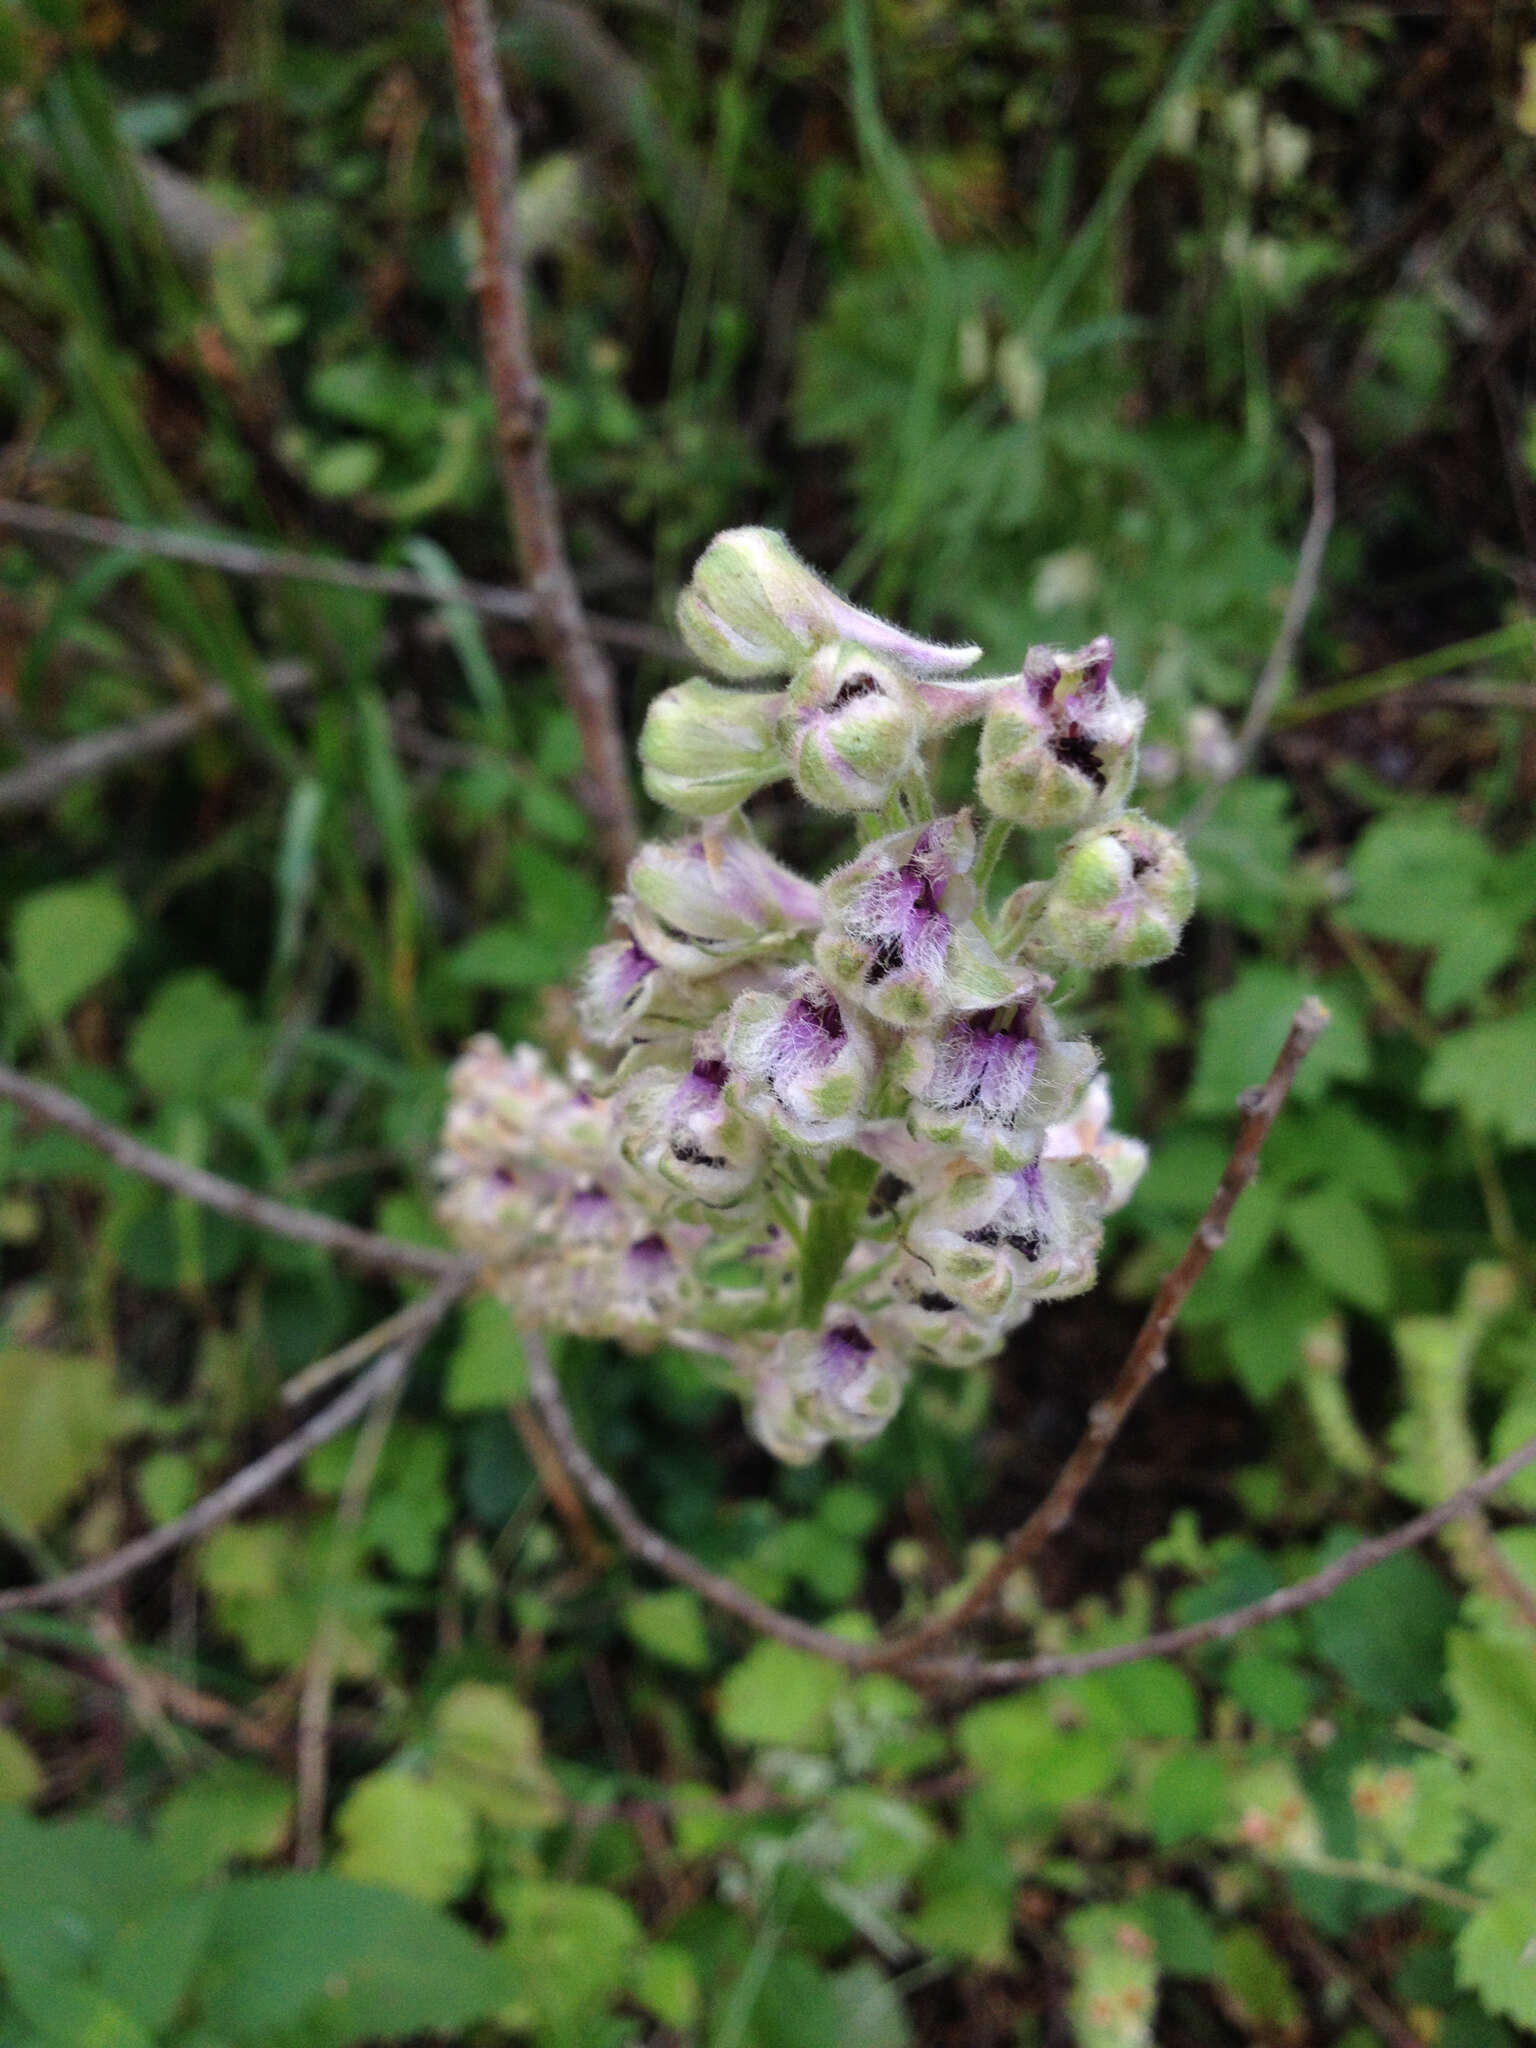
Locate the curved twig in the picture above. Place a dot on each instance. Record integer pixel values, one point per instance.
(1147, 1356)
(1266, 691)
(244, 1205)
(247, 1485)
(560, 623)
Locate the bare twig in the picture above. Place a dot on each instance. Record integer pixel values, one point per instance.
(244, 1205)
(648, 1544)
(491, 141)
(250, 558)
(52, 771)
(1148, 1354)
(1007, 1672)
(1309, 563)
(237, 1493)
(395, 1329)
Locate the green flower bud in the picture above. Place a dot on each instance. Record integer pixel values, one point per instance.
(705, 750)
(1059, 745)
(1122, 896)
(851, 729)
(753, 609)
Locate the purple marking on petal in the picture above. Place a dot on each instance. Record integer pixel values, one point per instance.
(648, 1260)
(844, 1352)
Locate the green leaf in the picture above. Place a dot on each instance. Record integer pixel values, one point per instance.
(1384, 1632)
(1243, 853)
(1341, 1246)
(506, 956)
(1258, 1992)
(1495, 1957)
(403, 1832)
(1415, 873)
(667, 1985)
(193, 1042)
(1494, 1687)
(65, 939)
(58, 1418)
(1487, 1071)
(236, 1809)
(670, 1625)
(1245, 1028)
(780, 1695)
(486, 1752)
(21, 1775)
(579, 1941)
(1274, 1692)
(338, 1963)
(1186, 1799)
(486, 1368)
(1027, 1763)
(1183, 1934)
(1277, 1304)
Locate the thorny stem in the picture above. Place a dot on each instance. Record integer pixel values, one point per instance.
(491, 142)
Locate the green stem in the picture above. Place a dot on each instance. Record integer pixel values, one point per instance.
(1515, 639)
(1390, 1877)
(831, 1230)
(994, 842)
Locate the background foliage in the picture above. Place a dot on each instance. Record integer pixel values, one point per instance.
(1006, 313)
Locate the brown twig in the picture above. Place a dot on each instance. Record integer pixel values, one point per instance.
(648, 1544)
(1008, 1672)
(491, 142)
(237, 1493)
(558, 617)
(556, 1482)
(251, 558)
(38, 781)
(227, 1197)
(1303, 591)
(1148, 1354)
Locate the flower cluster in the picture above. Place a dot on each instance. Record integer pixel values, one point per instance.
(826, 1132)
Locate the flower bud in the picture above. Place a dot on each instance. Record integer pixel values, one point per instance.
(1059, 746)
(836, 1384)
(979, 1080)
(851, 729)
(1122, 895)
(799, 1063)
(705, 750)
(922, 1321)
(683, 1128)
(900, 939)
(753, 608)
(703, 904)
(1086, 1134)
(627, 998)
(996, 1240)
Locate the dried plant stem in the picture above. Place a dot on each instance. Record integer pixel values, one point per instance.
(244, 1205)
(1303, 591)
(1148, 1354)
(491, 141)
(293, 565)
(247, 1485)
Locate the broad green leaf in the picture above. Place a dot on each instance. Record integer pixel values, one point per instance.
(1341, 1246)
(1243, 853)
(58, 1418)
(779, 1695)
(65, 939)
(236, 1809)
(886, 1838)
(1494, 1687)
(21, 1775)
(1028, 1764)
(1114, 1971)
(337, 1963)
(1487, 1072)
(487, 1754)
(1245, 1028)
(1258, 1993)
(486, 1368)
(667, 1985)
(1494, 1956)
(148, 1966)
(193, 1042)
(1186, 1799)
(1183, 1934)
(574, 1943)
(1384, 1632)
(408, 1834)
(507, 956)
(669, 1624)
(1415, 874)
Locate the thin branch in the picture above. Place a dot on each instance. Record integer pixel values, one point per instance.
(1170, 1642)
(1148, 1354)
(395, 1329)
(237, 1493)
(244, 1205)
(646, 1543)
(1309, 564)
(491, 142)
(52, 771)
(250, 558)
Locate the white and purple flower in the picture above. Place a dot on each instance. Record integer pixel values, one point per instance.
(800, 1063)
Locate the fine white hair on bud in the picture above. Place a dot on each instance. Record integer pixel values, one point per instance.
(828, 1132)
(752, 608)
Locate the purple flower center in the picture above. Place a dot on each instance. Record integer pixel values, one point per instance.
(812, 1030)
(712, 1073)
(988, 1063)
(649, 1259)
(844, 1350)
